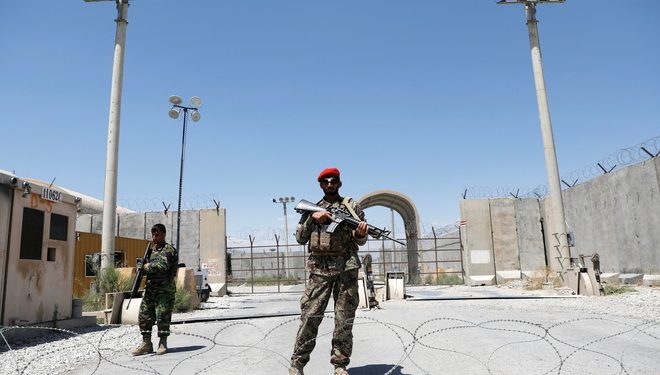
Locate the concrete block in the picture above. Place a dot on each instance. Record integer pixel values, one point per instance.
(362, 292)
(482, 280)
(218, 289)
(129, 314)
(505, 276)
(651, 280)
(380, 292)
(26, 333)
(395, 287)
(83, 321)
(609, 278)
(630, 278)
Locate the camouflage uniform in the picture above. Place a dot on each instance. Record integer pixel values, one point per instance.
(333, 274)
(158, 300)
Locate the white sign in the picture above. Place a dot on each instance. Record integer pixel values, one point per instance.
(480, 256)
(51, 195)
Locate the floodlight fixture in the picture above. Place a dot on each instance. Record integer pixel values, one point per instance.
(175, 99)
(114, 1)
(196, 102)
(526, 2)
(174, 113)
(195, 116)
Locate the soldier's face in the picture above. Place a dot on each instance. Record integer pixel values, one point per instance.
(157, 236)
(330, 185)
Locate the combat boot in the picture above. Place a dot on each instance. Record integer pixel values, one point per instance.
(296, 371)
(162, 346)
(145, 347)
(341, 370)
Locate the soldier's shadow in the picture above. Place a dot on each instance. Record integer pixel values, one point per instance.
(376, 369)
(179, 349)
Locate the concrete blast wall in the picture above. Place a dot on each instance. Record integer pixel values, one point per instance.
(616, 215)
(478, 243)
(202, 240)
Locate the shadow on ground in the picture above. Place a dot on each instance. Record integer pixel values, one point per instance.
(181, 349)
(376, 369)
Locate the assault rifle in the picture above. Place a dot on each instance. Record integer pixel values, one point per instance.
(340, 215)
(139, 274)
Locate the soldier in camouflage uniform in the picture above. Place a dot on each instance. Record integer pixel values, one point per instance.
(158, 300)
(333, 265)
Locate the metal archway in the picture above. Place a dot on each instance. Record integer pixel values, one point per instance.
(405, 207)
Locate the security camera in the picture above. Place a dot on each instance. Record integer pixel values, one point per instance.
(13, 181)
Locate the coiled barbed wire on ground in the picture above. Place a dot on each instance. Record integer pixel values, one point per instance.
(640, 152)
(550, 348)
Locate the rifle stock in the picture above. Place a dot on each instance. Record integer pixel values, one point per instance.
(139, 275)
(339, 216)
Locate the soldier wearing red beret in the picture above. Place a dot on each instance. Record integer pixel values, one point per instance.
(333, 266)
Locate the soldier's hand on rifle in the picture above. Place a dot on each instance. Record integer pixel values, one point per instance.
(322, 217)
(362, 229)
(146, 267)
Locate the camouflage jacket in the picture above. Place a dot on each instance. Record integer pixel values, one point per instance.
(342, 239)
(163, 265)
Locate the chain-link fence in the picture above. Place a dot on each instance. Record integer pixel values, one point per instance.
(278, 268)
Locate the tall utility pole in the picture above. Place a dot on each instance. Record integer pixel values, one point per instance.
(284, 201)
(112, 151)
(561, 256)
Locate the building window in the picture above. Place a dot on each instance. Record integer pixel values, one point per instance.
(32, 233)
(59, 227)
(51, 254)
(93, 262)
(120, 259)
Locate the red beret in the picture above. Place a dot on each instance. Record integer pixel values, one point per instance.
(328, 172)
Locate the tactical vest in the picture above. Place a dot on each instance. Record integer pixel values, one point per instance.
(337, 243)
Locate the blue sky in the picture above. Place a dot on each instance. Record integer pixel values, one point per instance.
(421, 97)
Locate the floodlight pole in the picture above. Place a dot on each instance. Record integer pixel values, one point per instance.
(112, 151)
(284, 201)
(562, 254)
(183, 152)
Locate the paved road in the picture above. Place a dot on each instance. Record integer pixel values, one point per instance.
(452, 336)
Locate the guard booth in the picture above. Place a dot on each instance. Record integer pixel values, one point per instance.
(37, 237)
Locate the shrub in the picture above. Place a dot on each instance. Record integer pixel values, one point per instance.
(182, 300)
(617, 289)
(540, 277)
(107, 281)
(443, 279)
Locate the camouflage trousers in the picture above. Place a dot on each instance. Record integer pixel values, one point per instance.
(344, 290)
(156, 307)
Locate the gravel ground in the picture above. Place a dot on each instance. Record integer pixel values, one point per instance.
(60, 351)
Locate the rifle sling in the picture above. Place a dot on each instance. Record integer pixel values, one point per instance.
(349, 208)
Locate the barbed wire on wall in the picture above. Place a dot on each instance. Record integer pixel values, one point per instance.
(150, 204)
(643, 151)
(538, 192)
(440, 231)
